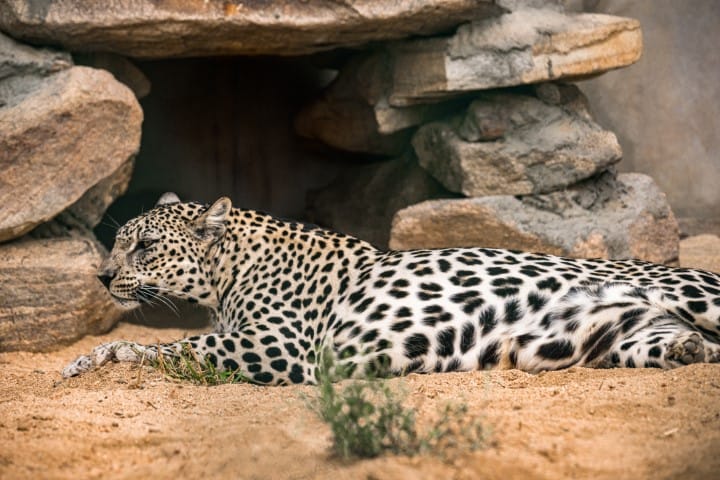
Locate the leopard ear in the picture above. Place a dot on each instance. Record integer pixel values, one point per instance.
(210, 225)
(167, 198)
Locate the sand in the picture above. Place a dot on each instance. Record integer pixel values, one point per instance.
(122, 421)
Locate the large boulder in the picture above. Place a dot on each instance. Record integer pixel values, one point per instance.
(523, 47)
(363, 200)
(50, 293)
(517, 144)
(605, 217)
(63, 130)
(152, 29)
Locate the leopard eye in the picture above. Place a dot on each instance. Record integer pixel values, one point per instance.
(145, 244)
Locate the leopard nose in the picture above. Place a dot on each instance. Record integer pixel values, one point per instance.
(105, 278)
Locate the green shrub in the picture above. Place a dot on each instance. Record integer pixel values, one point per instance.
(367, 418)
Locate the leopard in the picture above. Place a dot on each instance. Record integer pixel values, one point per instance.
(281, 294)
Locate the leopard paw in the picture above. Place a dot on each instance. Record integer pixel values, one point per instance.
(687, 348)
(102, 354)
(78, 366)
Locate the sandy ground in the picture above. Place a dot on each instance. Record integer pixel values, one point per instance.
(125, 422)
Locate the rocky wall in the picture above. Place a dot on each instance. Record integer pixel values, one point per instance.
(414, 124)
(68, 137)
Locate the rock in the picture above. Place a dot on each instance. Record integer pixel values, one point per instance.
(353, 113)
(50, 294)
(85, 214)
(693, 226)
(152, 29)
(122, 69)
(363, 200)
(18, 59)
(90, 208)
(522, 47)
(349, 124)
(701, 251)
(59, 136)
(623, 217)
(515, 144)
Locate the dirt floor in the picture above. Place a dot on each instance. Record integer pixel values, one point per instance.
(125, 422)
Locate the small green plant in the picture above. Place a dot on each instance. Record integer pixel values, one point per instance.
(187, 366)
(367, 418)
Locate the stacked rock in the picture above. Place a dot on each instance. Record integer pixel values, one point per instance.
(487, 114)
(68, 136)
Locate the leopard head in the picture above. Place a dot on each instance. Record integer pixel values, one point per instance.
(166, 252)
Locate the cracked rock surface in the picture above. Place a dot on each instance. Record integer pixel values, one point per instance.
(516, 144)
(604, 217)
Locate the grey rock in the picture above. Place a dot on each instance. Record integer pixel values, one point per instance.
(18, 59)
(522, 47)
(515, 144)
(50, 293)
(152, 29)
(60, 135)
(604, 217)
(363, 200)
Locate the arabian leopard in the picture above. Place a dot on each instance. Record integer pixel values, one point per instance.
(281, 293)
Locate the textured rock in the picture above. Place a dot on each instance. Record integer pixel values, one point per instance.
(60, 135)
(18, 59)
(90, 208)
(50, 293)
(693, 226)
(122, 69)
(353, 113)
(378, 190)
(701, 251)
(85, 214)
(602, 217)
(515, 144)
(374, 97)
(522, 47)
(161, 29)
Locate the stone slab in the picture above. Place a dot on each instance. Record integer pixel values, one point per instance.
(605, 217)
(522, 47)
(509, 143)
(50, 293)
(188, 28)
(701, 251)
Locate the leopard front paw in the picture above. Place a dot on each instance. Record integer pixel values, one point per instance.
(84, 363)
(78, 366)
